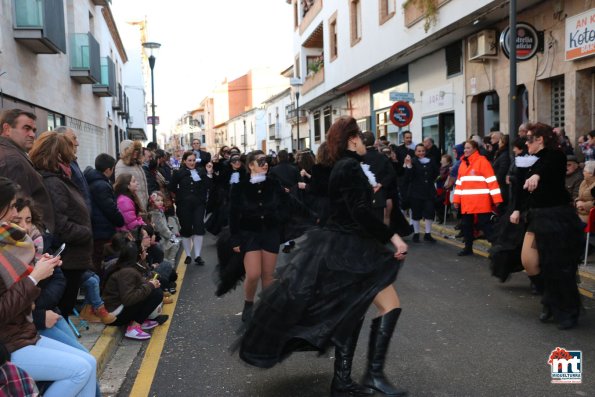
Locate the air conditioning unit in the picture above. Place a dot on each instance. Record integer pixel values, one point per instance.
(482, 45)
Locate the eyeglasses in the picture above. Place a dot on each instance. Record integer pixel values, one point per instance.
(261, 161)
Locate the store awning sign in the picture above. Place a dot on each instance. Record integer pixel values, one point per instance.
(580, 35)
(527, 41)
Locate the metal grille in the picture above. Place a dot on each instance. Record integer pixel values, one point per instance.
(558, 102)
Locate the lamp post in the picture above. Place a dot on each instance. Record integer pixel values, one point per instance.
(296, 83)
(244, 136)
(153, 49)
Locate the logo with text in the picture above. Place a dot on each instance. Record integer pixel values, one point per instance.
(567, 365)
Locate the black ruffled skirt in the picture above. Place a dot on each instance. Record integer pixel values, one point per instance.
(318, 297)
(505, 252)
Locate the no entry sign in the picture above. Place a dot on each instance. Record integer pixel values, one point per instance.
(401, 114)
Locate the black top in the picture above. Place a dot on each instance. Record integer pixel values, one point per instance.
(420, 179)
(551, 189)
(257, 206)
(350, 195)
(185, 188)
(105, 216)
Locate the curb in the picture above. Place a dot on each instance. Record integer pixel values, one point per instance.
(105, 346)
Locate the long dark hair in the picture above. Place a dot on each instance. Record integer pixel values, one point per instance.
(338, 135)
(8, 190)
(121, 187)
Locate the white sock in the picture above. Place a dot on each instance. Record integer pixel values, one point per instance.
(187, 244)
(428, 226)
(197, 243)
(415, 226)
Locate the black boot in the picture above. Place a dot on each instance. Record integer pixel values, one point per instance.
(381, 332)
(537, 284)
(343, 385)
(247, 311)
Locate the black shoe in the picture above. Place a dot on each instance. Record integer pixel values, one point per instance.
(546, 313)
(162, 318)
(247, 311)
(428, 237)
(537, 284)
(199, 261)
(172, 290)
(465, 252)
(286, 249)
(568, 321)
(187, 260)
(415, 238)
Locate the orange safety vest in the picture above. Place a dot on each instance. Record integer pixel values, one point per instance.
(476, 189)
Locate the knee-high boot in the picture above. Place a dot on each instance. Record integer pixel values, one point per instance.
(381, 332)
(343, 385)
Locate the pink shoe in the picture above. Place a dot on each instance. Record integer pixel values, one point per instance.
(136, 333)
(149, 324)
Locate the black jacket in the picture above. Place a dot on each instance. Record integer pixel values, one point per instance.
(551, 189)
(186, 189)
(52, 289)
(351, 198)
(257, 206)
(105, 216)
(420, 180)
(434, 154)
(287, 174)
(202, 158)
(385, 174)
(501, 166)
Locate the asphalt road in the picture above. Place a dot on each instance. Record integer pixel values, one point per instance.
(462, 333)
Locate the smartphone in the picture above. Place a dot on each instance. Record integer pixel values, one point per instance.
(59, 251)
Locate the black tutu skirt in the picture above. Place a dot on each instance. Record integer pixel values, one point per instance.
(505, 252)
(319, 295)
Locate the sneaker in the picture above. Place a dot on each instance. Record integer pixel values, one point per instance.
(105, 316)
(172, 290)
(136, 333)
(88, 314)
(149, 324)
(161, 318)
(199, 261)
(167, 300)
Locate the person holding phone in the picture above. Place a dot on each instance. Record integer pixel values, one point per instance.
(71, 371)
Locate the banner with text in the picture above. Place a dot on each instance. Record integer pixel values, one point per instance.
(580, 35)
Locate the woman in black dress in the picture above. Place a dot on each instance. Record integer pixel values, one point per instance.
(320, 297)
(549, 260)
(191, 187)
(257, 209)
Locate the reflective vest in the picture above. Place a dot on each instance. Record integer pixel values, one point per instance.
(476, 189)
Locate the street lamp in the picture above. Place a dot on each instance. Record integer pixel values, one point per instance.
(153, 49)
(296, 83)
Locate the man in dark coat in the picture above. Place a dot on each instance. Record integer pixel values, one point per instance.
(432, 151)
(17, 134)
(383, 170)
(202, 157)
(285, 172)
(105, 216)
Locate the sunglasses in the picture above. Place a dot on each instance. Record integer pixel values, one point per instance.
(531, 138)
(261, 161)
(234, 160)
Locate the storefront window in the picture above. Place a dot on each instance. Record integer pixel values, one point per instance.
(489, 113)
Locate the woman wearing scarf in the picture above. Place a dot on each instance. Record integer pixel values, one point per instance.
(51, 156)
(420, 173)
(71, 371)
(191, 187)
(258, 207)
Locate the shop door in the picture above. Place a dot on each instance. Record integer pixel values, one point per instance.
(441, 128)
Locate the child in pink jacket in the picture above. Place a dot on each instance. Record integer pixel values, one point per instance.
(128, 204)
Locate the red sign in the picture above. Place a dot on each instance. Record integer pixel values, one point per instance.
(400, 114)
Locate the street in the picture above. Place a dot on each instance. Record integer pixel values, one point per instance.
(462, 333)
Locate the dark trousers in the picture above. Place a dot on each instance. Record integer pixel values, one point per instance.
(483, 224)
(73, 283)
(98, 254)
(141, 310)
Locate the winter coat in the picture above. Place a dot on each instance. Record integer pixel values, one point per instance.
(132, 219)
(105, 216)
(16, 331)
(584, 195)
(384, 172)
(15, 164)
(202, 158)
(126, 287)
(420, 180)
(80, 182)
(287, 174)
(501, 166)
(573, 183)
(160, 222)
(52, 289)
(139, 174)
(476, 188)
(186, 189)
(73, 222)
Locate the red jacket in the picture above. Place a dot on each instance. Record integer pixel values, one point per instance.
(476, 189)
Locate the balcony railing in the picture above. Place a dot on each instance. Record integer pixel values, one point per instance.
(107, 85)
(291, 114)
(39, 25)
(85, 63)
(117, 99)
(313, 80)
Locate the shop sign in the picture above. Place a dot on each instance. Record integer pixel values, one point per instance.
(438, 99)
(580, 35)
(527, 41)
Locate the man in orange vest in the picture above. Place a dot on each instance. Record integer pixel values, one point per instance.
(476, 193)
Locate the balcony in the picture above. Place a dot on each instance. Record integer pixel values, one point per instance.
(415, 12)
(85, 63)
(124, 108)
(291, 114)
(313, 79)
(117, 98)
(107, 85)
(39, 25)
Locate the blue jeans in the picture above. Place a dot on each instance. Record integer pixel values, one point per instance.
(62, 333)
(91, 287)
(72, 371)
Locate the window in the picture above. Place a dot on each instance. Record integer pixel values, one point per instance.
(317, 133)
(297, 69)
(454, 59)
(328, 120)
(558, 102)
(386, 10)
(355, 21)
(332, 23)
(295, 14)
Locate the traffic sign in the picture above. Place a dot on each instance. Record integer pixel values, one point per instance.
(401, 96)
(400, 114)
(150, 120)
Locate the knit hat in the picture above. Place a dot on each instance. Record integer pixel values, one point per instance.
(125, 144)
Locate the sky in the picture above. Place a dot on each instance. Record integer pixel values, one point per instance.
(205, 41)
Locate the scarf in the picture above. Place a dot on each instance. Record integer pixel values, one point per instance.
(423, 160)
(235, 178)
(257, 178)
(66, 170)
(194, 175)
(369, 174)
(16, 252)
